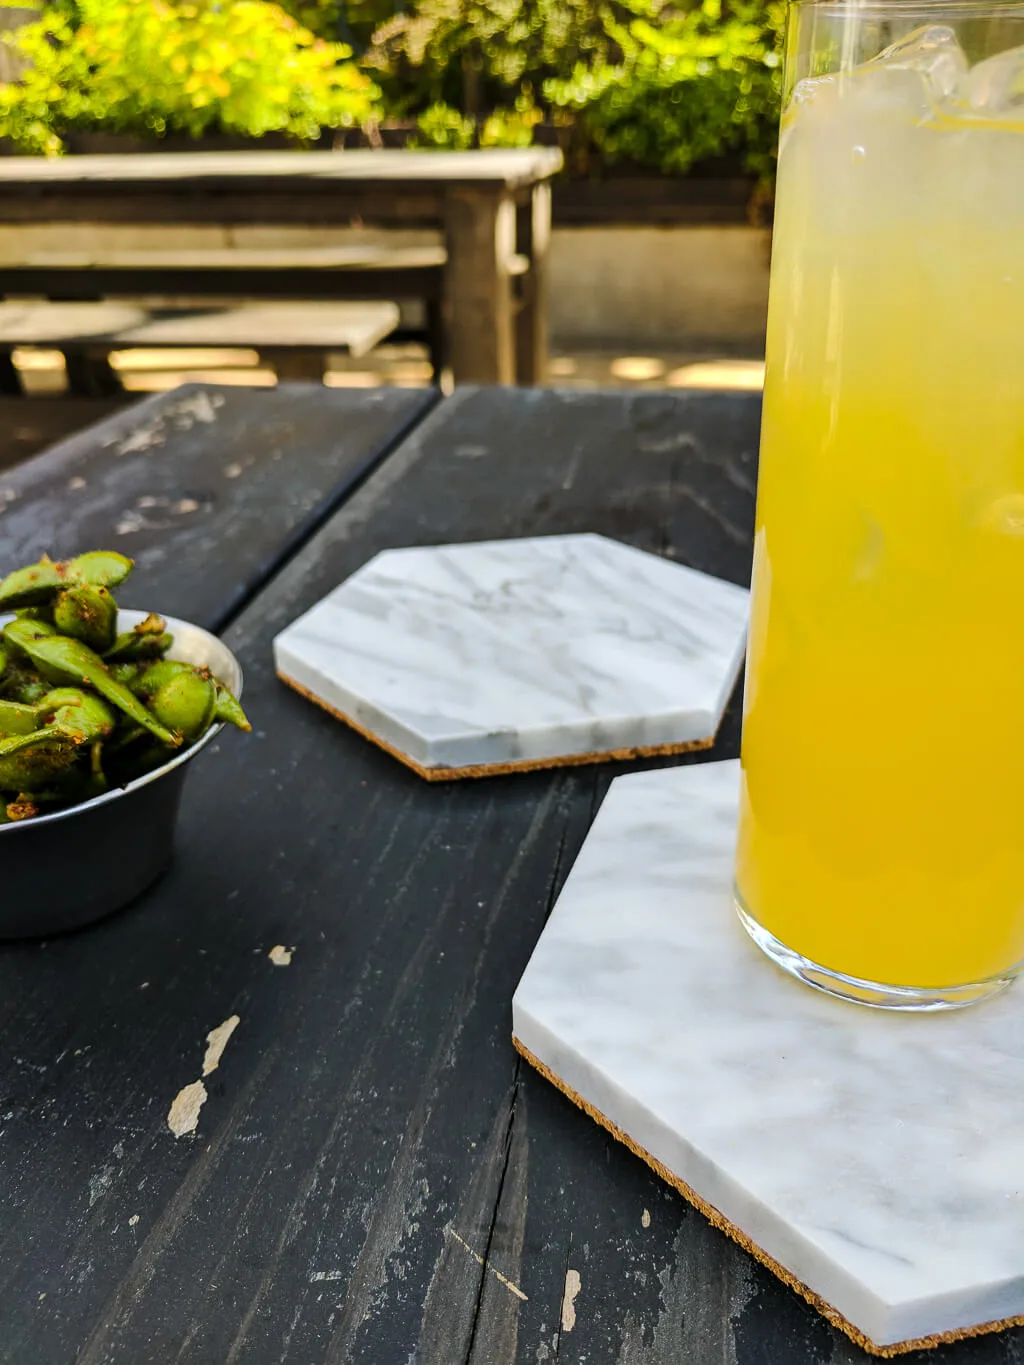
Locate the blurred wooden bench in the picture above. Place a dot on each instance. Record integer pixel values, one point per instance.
(482, 286)
(294, 337)
(165, 278)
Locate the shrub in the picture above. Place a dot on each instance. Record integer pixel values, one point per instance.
(156, 67)
(443, 127)
(479, 55)
(664, 84)
(688, 87)
(650, 82)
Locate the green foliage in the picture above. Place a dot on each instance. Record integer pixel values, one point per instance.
(479, 55)
(688, 86)
(652, 82)
(322, 17)
(657, 83)
(156, 67)
(348, 21)
(511, 127)
(444, 128)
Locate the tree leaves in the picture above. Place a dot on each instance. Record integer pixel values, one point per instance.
(165, 66)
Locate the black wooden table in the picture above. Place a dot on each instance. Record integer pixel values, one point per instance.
(375, 1176)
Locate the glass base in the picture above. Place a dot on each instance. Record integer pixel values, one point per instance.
(873, 993)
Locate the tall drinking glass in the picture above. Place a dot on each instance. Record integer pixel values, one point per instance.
(881, 838)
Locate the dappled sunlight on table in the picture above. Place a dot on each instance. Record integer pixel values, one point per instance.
(718, 374)
(155, 369)
(636, 367)
(157, 381)
(200, 358)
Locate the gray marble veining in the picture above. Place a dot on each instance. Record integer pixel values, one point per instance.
(522, 650)
(877, 1157)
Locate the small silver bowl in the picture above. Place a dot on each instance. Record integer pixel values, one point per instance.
(72, 867)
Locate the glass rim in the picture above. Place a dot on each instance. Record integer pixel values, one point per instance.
(935, 9)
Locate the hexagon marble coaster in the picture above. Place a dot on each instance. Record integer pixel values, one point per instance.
(465, 660)
(874, 1161)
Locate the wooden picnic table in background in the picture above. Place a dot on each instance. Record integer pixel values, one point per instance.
(375, 1176)
(492, 209)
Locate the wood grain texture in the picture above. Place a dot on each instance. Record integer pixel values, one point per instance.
(480, 242)
(532, 330)
(29, 425)
(352, 327)
(385, 280)
(375, 1175)
(396, 187)
(207, 488)
(509, 168)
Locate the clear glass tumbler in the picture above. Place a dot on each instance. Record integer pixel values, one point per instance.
(881, 840)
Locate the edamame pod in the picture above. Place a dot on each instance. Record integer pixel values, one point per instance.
(87, 613)
(30, 763)
(17, 719)
(23, 629)
(71, 663)
(101, 568)
(38, 584)
(132, 645)
(84, 708)
(23, 684)
(33, 586)
(186, 702)
(229, 708)
(153, 676)
(78, 713)
(126, 673)
(36, 613)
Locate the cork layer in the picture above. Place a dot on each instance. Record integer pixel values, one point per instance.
(496, 769)
(731, 1230)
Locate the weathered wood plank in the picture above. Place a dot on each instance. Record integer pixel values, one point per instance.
(352, 327)
(534, 241)
(510, 168)
(207, 488)
(274, 202)
(29, 425)
(381, 281)
(315, 259)
(480, 237)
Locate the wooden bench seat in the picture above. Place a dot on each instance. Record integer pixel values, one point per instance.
(348, 272)
(366, 274)
(293, 337)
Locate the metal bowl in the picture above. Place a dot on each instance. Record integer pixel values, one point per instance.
(72, 867)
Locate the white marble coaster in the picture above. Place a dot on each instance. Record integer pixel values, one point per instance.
(466, 659)
(877, 1160)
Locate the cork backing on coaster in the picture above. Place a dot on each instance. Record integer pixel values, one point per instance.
(528, 765)
(723, 1224)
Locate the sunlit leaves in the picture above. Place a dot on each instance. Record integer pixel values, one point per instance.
(170, 66)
